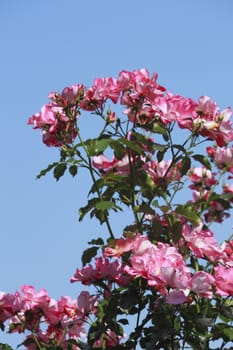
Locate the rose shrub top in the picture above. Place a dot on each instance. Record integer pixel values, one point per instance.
(168, 159)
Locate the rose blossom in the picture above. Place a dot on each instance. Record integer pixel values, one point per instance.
(201, 283)
(119, 166)
(224, 280)
(202, 242)
(223, 157)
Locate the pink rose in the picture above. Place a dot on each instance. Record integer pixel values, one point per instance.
(201, 283)
(224, 280)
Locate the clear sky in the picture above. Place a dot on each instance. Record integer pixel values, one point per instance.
(49, 44)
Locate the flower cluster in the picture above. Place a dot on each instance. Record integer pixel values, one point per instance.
(46, 320)
(145, 101)
(167, 268)
(104, 271)
(164, 267)
(57, 119)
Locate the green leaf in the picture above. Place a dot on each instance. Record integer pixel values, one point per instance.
(119, 149)
(97, 185)
(104, 205)
(95, 332)
(228, 332)
(45, 171)
(5, 347)
(160, 155)
(97, 241)
(97, 146)
(157, 229)
(90, 205)
(144, 208)
(175, 227)
(141, 141)
(73, 169)
(180, 148)
(186, 164)
(177, 324)
(128, 301)
(132, 145)
(100, 215)
(203, 160)
(188, 213)
(59, 170)
(222, 330)
(116, 327)
(155, 203)
(88, 254)
(158, 129)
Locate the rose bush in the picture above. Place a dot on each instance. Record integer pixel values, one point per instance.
(168, 160)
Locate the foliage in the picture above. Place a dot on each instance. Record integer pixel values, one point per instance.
(166, 276)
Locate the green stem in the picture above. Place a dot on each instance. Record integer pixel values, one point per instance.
(91, 171)
(132, 185)
(36, 341)
(175, 154)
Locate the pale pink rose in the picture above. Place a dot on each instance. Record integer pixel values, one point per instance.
(88, 102)
(57, 128)
(69, 311)
(137, 85)
(163, 170)
(202, 175)
(121, 246)
(176, 297)
(203, 194)
(225, 133)
(175, 276)
(87, 303)
(125, 80)
(223, 157)
(227, 248)
(162, 266)
(106, 88)
(9, 304)
(138, 244)
(163, 109)
(142, 245)
(202, 243)
(53, 312)
(71, 93)
(68, 96)
(35, 299)
(213, 123)
(224, 280)
(119, 166)
(103, 270)
(183, 109)
(146, 86)
(201, 284)
(48, 117)
(207, 106)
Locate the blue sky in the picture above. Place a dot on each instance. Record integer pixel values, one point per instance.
(49, 44)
